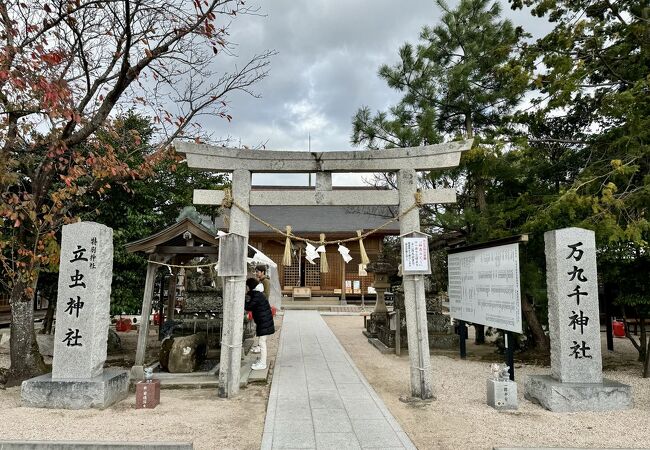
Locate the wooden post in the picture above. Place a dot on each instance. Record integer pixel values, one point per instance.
(234, 292)
(343, 297)
(137, 372)
(161, 312)
(416, 317)
(171, 293)
(398, 333)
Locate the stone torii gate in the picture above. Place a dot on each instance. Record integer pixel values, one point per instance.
(405, 161)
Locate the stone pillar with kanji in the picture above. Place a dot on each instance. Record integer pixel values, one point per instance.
(576, 382)
(78, 379)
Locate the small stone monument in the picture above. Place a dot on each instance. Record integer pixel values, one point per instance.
(78, 379)
(501, 391)
(147, 392)
(576, 382)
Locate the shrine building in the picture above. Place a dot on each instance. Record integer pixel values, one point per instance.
(337, 222)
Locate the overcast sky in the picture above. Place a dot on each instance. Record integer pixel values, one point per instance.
(329, 52)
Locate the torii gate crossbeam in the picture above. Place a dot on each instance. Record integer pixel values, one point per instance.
(405, 161)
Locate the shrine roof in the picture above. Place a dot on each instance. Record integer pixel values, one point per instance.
(173, 236)
(321, 219)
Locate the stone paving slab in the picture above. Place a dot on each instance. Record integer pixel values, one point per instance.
(319, 399)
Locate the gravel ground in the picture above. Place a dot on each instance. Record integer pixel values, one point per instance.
(182, 416)
(460, 417)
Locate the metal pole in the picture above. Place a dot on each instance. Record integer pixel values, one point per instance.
(462, 332)
(608, 320)
(299, 267)
(510, 353)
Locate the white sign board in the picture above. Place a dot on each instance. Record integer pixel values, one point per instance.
(484, 287)
(415, 255)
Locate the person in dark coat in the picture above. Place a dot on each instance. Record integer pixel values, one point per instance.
(259, 306)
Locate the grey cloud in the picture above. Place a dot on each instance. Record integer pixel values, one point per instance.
(329, 52)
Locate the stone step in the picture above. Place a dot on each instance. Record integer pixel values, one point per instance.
(259, 376)
(248, 375)
(346, 308)
(380, 346)
(190, 382)
(306, 306)
(314, 299)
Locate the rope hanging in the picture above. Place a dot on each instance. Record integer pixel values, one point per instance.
(362, 250)
(416, 204)
(227, 199)
(418, 198)
(324, 267)
(286, 260)
(179, 266)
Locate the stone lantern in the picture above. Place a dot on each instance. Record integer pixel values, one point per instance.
(382, 269)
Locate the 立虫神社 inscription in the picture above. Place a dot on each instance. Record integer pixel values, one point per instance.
(85, 274)
(78, 379)
(484, 287)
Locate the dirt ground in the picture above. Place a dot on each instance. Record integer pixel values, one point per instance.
(197, 416)
(460, 417)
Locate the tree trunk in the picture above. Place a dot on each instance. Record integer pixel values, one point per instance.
(469, 126)
(646, 365)
(49, 316)
(540, 338)
(26, 359)
(480, 194)
(643, 340)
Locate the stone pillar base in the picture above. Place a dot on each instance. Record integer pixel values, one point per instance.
(501, 394)
(567, 397)
(99, 392)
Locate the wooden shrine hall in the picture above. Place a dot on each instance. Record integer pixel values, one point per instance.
(337, 222)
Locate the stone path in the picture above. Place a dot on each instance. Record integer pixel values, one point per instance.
(319, 399)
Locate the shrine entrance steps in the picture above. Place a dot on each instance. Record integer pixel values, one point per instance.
(313, 303)
(319, 399)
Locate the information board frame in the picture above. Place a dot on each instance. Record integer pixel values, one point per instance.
(498, 263)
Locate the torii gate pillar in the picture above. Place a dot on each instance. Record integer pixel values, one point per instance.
(414, 302)
(234, 291)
